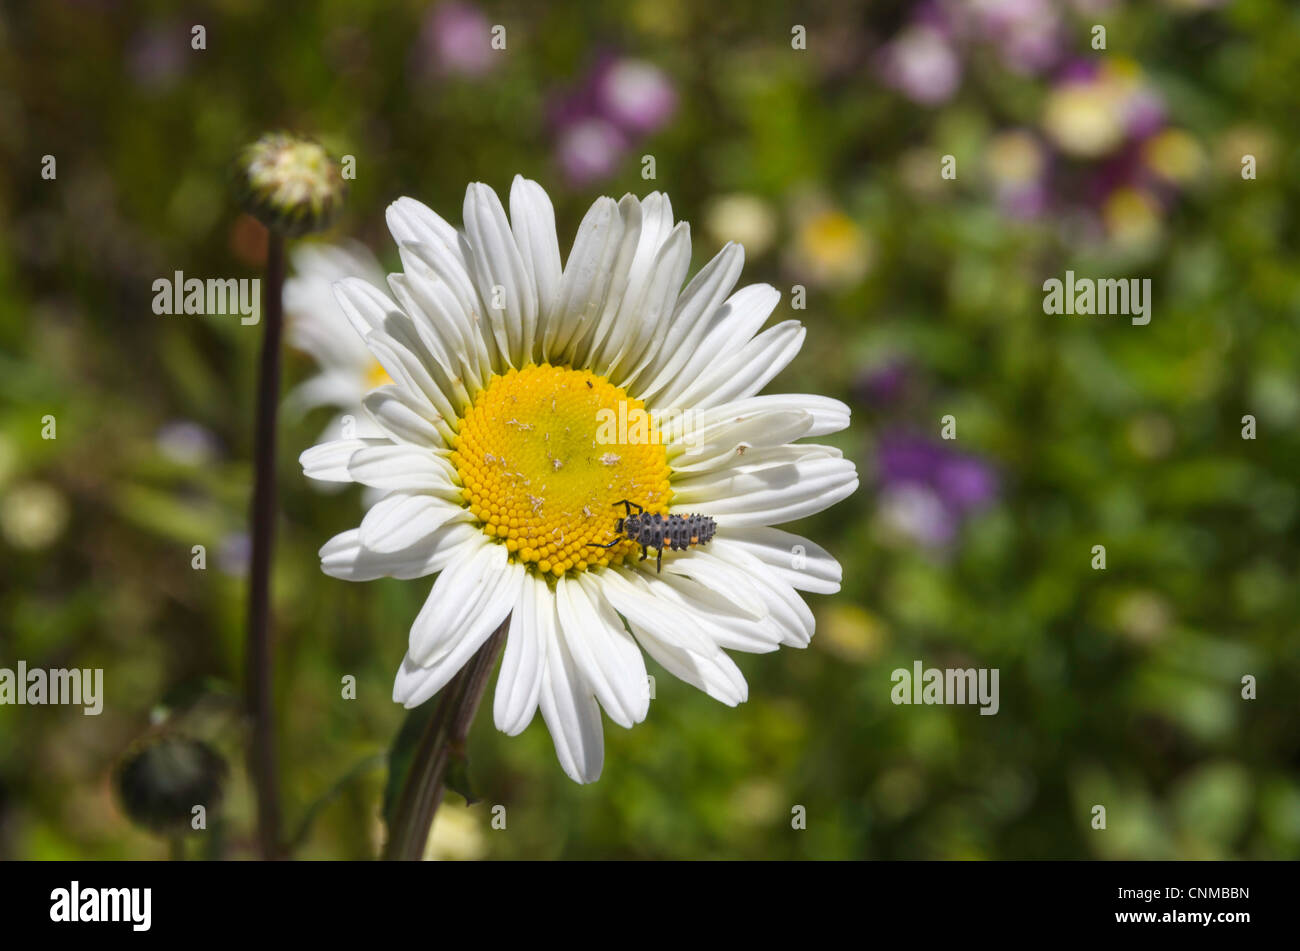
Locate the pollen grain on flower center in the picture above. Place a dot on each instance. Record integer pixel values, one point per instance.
(541, 468)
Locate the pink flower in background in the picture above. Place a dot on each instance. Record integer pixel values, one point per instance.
(635, 95)
(922, 64)
(616, 104)
(1027, 34)
(456, 39)
(589, 150)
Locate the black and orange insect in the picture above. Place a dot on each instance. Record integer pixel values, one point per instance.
(674, 532)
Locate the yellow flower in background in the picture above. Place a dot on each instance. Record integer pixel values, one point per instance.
(1014, 158)
(830, 248)
(852, 632)
(1132, 217)
(33, 515)
(1083, 119)
(1246, 140)
(1175, 156)
(1089, 116)
(746, 219)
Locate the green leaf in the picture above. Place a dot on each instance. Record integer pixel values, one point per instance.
(457, 777)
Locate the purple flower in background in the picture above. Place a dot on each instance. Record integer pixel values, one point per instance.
(234, 554)
(456, 39)
(883, 385)
(1026, 33)
(635, 95)
(922, 64)
(187, 443)
(927, 490)
(589, 150)
(616, 104)
(1145, 113)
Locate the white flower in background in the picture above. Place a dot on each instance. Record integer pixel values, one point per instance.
(315, 325)
(497, 478)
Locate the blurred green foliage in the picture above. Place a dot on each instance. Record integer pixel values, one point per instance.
(1119, 687)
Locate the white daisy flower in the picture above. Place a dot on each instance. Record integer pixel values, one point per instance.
(499, 479)
(347, 370)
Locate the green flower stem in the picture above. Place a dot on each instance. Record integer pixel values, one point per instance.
(262, 761)
(444, 738)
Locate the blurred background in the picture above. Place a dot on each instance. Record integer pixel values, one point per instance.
(1119, 687)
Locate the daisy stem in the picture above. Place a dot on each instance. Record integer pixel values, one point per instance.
(262, 762)
(443, 738)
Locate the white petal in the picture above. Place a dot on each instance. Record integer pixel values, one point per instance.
(404, 416)
(519, 682)
(532, 219)
(344, 557)
(327, 388)
(748, 371)
(709, 445)
(608, 658)
(725, 579)
(571, 713)
(585, 279)
(803, 564)
(403, 519)
(669, 634)
(417, 682)
(391, 336)
(784, 606)
(313, 321)
(504, 284)
(469, 598)
(612, 286)
(715, 616)
(828, 415)
(407, 468)
(411, 220)
(701, 298)
(328, 462)
(783, 494)
(440, 346)
(647, 308)
(409, 372)
(421, 232)
(429, 298)
(729, 337)
(781, 486)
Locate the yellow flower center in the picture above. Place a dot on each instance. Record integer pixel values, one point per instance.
(377, 376)
(543, 456)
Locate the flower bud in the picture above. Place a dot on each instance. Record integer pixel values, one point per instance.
(289, 184)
